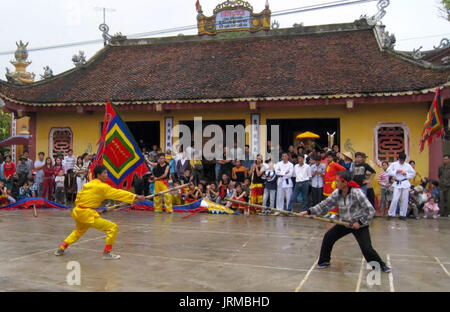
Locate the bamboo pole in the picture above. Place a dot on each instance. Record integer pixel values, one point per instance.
(347, 224)
(110, 208)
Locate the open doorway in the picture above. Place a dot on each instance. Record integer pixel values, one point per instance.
(209, 165)
(145, 131)
(290, 128)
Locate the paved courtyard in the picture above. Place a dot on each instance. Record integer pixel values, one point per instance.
(205, 252)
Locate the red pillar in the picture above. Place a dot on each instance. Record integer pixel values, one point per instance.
(32, 129)
(435, 158)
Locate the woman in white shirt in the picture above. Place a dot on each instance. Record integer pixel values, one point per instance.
(80, 171)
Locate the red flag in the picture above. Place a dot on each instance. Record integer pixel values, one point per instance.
(197, 5)
(434, 125)
(118, 151)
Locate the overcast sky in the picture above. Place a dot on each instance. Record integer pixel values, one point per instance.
(44, 23)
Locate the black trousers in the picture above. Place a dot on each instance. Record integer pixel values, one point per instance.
(317, 195)
(362, 236)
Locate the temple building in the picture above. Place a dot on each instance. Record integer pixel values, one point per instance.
(344, 78)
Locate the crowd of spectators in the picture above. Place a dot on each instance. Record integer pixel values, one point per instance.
(294, 179)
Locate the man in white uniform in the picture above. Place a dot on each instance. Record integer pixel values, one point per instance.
(402, 172)
(284, 170)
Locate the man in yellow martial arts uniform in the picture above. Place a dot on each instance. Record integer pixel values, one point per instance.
(88, 199)
(161, 174)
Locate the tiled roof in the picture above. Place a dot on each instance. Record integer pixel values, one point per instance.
(278, 64)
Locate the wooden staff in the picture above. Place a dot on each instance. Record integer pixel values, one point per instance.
(347, 224)
(110, 208)
(195, 212)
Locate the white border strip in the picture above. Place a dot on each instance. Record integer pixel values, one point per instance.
(358, 285)
(443, 267)
(391, 278)
(306, 276)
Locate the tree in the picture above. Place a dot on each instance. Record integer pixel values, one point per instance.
(446, 9)
(5, 127)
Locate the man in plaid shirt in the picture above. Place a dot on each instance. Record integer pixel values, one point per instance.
(355, 208)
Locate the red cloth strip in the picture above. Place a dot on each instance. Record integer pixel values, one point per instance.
(108, 248)
(349, 183)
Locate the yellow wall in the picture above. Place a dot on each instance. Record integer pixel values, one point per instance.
(356, 124)
(85, 127)
(219, 114)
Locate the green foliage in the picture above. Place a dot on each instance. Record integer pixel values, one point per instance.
(446, 4)
(5, 127)
(446, 9)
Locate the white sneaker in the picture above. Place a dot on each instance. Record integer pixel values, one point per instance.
(333, 216)
(59, 252)
(110, 256)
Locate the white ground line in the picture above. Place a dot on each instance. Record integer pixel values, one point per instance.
(32, 254)
(45, 251)
(202, 261)
(358, 285)
(443, 267)
(417, 256)
(299, 287)
(391, 278)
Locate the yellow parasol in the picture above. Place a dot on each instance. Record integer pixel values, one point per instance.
(307, 135)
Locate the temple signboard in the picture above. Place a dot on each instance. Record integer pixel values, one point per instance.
(233, 15)
(233, 19)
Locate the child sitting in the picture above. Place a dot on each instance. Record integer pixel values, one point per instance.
(176, 194)
(239, 194)
(33, 187)
(414, 201)
(431, 208)
(186, 177)
(435, 190)
(25, 191)
(5, 195)
(151, 184)
(211, 193)
(193, 194)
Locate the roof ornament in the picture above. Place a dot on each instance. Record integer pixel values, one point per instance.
(446, 61)
(388, 40)
(232, 4)
(198, 7)
(20, 75)
(445, 43)
(105, 35)
(79, 59)
(117, 38)
(382, 5)
(107, 38)
(48, 73)
(416, 54)
(275, 25)
(385, 40)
